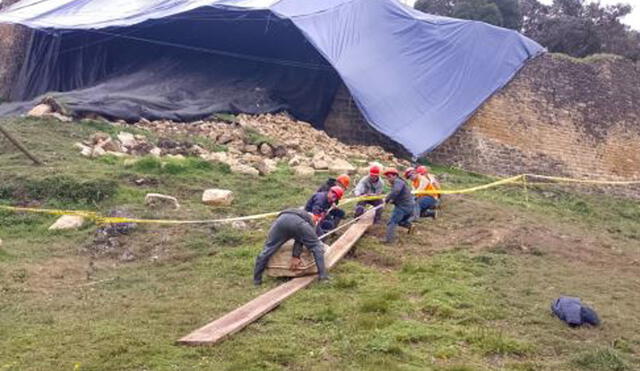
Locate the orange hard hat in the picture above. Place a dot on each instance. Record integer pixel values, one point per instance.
(391, 170)
(408, 171)
(344, 179)
(422, 170)
(339, 192)
(374, 170)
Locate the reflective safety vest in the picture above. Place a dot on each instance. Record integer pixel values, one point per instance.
(425, 183)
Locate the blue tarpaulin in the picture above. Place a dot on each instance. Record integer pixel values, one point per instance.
(415, 77)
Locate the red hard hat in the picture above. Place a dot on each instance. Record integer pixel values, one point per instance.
(344, 179)
(408, 171)
(339, 192)
(422, 170)
(391, 170)
(374, 170)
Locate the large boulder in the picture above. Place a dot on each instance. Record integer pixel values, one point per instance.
(266, 150)
(85, 151)
(341, 166)
(217, 197)
(160, 200)
(303, 170)
(67, 222)
(127, 139)
(40, 110)
(244, 169)
(267, 166)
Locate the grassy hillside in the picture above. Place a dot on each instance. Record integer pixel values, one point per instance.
(469, 291)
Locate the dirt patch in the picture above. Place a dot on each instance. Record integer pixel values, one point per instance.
(382, 261)
(481, 225)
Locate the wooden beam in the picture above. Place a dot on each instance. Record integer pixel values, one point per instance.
(20, 146)
(238, 319)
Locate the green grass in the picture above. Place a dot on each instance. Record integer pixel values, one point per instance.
(436, 301)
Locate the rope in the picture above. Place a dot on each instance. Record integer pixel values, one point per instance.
(99, 219)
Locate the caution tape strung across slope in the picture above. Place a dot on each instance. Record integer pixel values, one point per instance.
(99, 219)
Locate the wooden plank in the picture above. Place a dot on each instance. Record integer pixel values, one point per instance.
(239, 318)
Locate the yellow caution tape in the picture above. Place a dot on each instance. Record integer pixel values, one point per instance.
(113, 220)
(99, 219)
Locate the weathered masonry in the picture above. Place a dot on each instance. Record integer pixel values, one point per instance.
(559, 116)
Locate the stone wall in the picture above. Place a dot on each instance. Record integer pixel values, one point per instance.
(13, 45)
(346, 123)
(559, 116)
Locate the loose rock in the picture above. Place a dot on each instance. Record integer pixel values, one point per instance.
(245, 169)
(341, 166)
(160, 200)
(67, 222)
(40, 110)
(127, 139)
(303, 170)
(217, 197)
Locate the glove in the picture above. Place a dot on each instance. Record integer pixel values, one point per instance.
(294, 264)
(317, 217)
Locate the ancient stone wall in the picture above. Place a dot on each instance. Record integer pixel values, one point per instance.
(13, 45)
(346, 123)
(559, 116)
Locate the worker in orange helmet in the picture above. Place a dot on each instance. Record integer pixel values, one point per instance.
(343, 180)
(370, 185)
(421, 181)
(404, 210)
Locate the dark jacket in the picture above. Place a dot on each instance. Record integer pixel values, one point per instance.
(327, 185)
(318, 203)
(573, 312)
(301, 213)
(400, 194)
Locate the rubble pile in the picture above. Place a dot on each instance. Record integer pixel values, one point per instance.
(251, 145)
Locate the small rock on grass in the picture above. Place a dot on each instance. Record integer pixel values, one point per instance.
(67, 222)
(160, 200)
(217, 197)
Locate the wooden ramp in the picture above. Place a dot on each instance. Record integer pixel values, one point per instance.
(238, 319)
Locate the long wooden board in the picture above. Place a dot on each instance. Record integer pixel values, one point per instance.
(238, 319)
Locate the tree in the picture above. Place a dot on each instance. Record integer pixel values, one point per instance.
(479, 10)
(503, 13)
(578, 28)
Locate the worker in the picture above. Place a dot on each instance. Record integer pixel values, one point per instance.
(370, 185)
(425, 204)
(294, 224)
(323, 207)
(401, 197)
(343, 181)
(423, 170)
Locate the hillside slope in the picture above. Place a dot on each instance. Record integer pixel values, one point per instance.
(468, 291)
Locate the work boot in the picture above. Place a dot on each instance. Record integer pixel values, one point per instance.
(324, 279)
(410, 229)
(359, 211)
(431, 213)
(257, 283)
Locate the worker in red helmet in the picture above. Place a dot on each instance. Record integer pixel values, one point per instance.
(323, 206)
(370, 185)
(421, 181)
(404, 210)
(343, 180)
